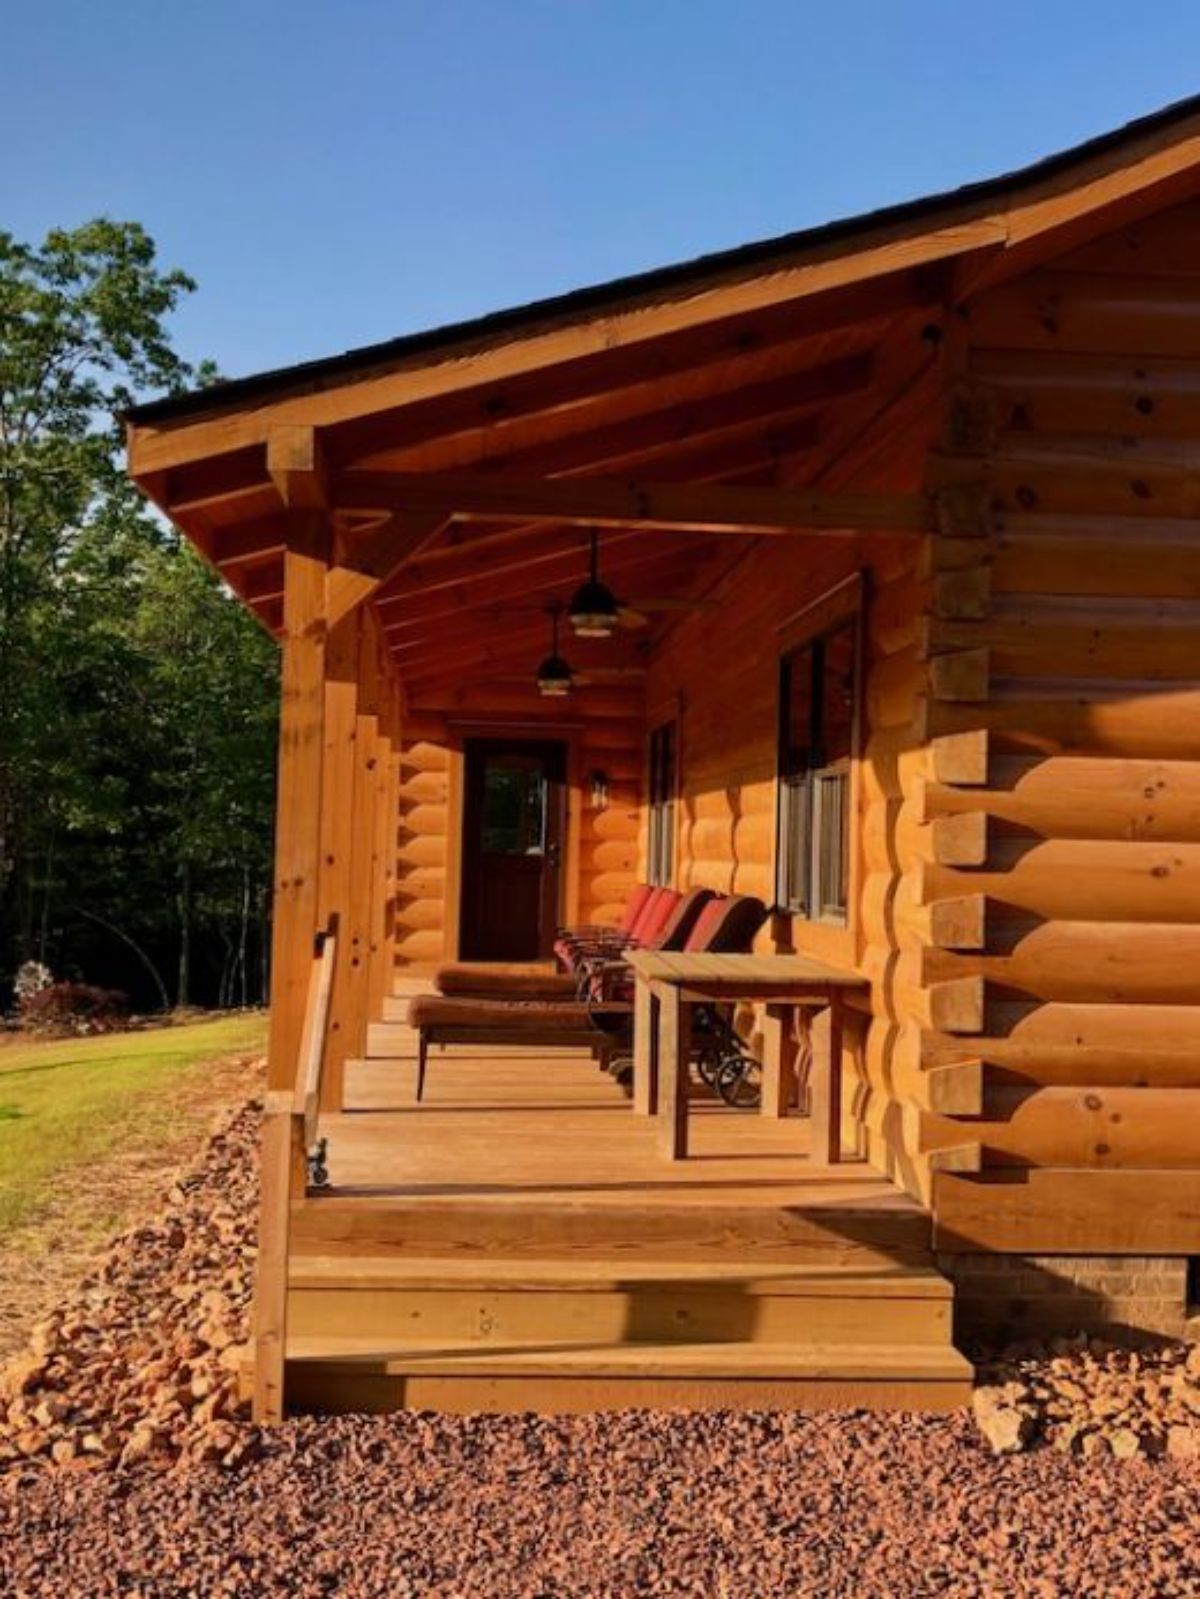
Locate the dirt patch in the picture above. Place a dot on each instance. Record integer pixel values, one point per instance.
(41, 1261)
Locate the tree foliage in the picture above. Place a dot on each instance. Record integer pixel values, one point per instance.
(136, 697)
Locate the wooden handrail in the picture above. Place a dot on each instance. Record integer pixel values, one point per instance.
(307, 1099)
(289, 1133)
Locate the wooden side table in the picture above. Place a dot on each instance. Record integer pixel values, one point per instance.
(667, 985)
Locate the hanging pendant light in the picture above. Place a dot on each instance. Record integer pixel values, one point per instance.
(554, 679)
(593, 611)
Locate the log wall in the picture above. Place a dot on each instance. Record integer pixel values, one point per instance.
(720, 667)
(1078, 415)
(604, 728)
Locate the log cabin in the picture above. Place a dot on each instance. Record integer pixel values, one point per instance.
(900, 522)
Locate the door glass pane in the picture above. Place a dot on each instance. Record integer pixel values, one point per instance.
(514, 810)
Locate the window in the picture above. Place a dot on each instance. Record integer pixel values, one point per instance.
(660, 851)
(818, 701)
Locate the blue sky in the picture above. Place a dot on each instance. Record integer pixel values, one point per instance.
(339, 171)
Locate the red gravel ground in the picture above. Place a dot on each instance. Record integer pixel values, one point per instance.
(616, 1507)
(125, 1470)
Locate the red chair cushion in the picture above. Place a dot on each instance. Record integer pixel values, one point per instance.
(727, 925)
(634, 907)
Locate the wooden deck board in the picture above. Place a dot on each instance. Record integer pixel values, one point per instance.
(513, 1125)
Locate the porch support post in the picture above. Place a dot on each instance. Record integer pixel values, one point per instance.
(387, 815)
(363, 850)
(298, 805)
(337, 836)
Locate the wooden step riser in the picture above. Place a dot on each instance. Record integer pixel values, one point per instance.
(854, 1238)
(334, 1388)
(677, 1314)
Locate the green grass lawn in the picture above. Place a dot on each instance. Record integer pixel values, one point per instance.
(65, 1104)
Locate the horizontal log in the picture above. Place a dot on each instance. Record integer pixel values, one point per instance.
(1117, 962)
(894, 687)
(895, 613)
(614, 824)
(610, 855)
(425, 821)
(1080, 880)
(1136, 720)
(1080, 797)
(958, 674)
(421, 849)
(1051, 393)
(611, 888)
(423, 758)
(1119, 1058)
(1052, 1212)
(1155, 557)
(419, 914)
(420, 882)
(419, 947)
(892, 914)
(1078, 1127)
(1148, 639)
(894, 1069)
(1117, 314)
(618, 502)
(425, 788)
(894, 839)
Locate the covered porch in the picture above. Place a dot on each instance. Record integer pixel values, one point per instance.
(516, 1241)
(738, 456)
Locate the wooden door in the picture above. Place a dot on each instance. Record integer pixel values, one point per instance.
(513, 824)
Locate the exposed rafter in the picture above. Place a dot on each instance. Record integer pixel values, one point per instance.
(618, 502)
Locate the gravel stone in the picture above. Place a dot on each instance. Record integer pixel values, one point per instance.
(127, 1469)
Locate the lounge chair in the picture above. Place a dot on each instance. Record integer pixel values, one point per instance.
(665, 920)
(602, 1021)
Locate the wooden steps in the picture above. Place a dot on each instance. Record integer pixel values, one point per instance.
(350, 1375)
(545, 1332)
(696, 1226)
(514, 1242)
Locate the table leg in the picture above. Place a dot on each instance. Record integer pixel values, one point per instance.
(645, 1048)
(674, 1054)
(779, 1061)
(826, 1094)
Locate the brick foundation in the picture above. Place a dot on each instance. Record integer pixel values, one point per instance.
(1007, 1297)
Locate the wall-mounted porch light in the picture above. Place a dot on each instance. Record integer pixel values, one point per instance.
(598, 785)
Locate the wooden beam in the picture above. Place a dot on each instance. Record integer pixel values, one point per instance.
(713, 323)
(296, 466)
(618, 502)
(298, 806)
(651, 569)
(249, 542)
(341, 690)
(642, 430)
(363, 570)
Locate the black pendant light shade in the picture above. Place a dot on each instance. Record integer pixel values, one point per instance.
(554, 678)
(593, 611)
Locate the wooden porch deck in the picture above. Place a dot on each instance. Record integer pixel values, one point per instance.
(515, 1242)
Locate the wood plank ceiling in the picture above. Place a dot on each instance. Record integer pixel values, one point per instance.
(755, 399)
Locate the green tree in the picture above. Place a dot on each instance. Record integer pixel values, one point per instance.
(135, 695)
